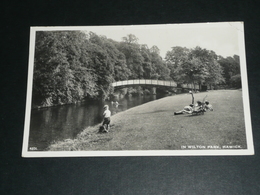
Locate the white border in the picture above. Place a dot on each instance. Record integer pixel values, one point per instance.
(245, 93)
(247, 116)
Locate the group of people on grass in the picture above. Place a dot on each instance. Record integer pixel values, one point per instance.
(197, 108)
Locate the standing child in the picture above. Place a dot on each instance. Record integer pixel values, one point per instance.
(106, 116)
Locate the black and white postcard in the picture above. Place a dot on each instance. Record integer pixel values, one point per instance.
(138, 90)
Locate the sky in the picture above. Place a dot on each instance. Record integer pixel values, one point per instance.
(223, 38)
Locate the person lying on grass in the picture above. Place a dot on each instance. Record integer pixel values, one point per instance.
(106, 115)
(190, 108)
(187, 109)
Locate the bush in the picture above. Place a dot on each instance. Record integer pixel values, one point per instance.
(235, 81)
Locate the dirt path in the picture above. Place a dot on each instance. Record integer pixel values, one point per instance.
(153, 126)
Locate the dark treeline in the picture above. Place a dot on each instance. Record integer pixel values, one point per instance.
(70, 66)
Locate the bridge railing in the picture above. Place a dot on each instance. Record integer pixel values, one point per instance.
(145, 82)
(152, 82)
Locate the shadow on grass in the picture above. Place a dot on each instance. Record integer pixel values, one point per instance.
(188, 115)
(192, 115)
(156, 111)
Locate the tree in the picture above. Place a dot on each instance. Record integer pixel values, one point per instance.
(230, 66)
(134, 59)
(146, 65)
(130, 39)
(102, 63)
(196, 66)
(211, 69)
(174, 59)
(60, 66)
(154, 49)
(120, 70)
(235, 81)
(159, 68)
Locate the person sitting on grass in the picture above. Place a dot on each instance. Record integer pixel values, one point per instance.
(208, 106)
(198, 107)
(187, 109)
(191, 108)
(106, 116)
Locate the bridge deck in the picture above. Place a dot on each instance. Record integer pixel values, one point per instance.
(151, 82)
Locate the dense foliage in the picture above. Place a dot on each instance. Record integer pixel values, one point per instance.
(201, 66)
(231, 70)
(70, 66)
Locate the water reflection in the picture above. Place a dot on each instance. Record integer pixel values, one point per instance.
(64, 122)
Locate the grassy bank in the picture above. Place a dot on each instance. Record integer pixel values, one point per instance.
(153, 126)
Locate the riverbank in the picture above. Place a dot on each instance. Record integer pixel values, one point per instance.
(153, 126)
(116, 95)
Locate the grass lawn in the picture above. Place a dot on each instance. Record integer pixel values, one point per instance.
(153, 126)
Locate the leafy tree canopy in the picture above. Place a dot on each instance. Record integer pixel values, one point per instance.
(72, 65)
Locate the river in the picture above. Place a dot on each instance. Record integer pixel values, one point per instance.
(52, 124)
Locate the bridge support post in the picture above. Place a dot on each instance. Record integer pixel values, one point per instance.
(154, 90)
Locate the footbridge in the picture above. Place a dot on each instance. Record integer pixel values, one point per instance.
(153, 83)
